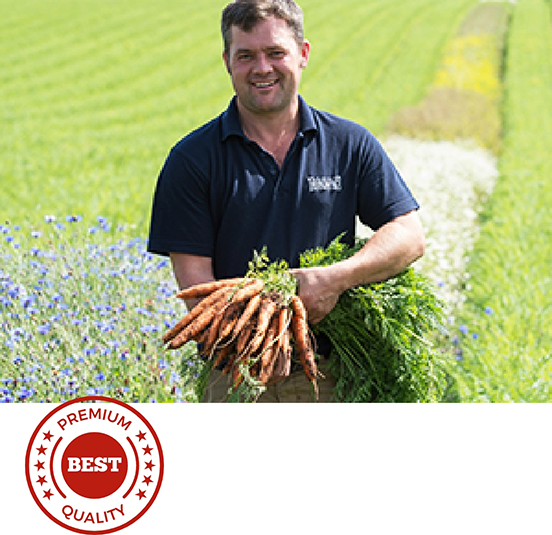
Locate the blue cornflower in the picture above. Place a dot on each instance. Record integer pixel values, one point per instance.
(27, 301)
(475, 336)
(44, 329)
(175, 377)
(25, 393)
(105, 326)
(36, 234)
(464, 329)
(100, 376)
(49, 218)
(73, 218)
(489, 311)
(59, 226)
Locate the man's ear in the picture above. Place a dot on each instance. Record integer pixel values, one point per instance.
(227, 62)
(305, 52)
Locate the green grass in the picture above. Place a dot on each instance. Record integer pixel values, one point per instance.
(505, 352)
(95, 92)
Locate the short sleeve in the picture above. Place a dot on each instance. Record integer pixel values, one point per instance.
(382, 193)
(180, 216)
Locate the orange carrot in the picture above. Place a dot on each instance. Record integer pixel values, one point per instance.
(300, 330)
(209, 308)
(269, 350)
(195, 312)
(250, 288)
(221, 353)
(230, 317)
(244, 336)
(237, 376)
(206, 288)
(266, 310)
(282, 364)
(213, 330)
(249, 310)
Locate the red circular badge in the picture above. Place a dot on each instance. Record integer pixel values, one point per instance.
(94, 465)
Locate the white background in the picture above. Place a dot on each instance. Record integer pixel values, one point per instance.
(382, 469)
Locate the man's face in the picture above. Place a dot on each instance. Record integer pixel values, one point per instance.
(266, 66)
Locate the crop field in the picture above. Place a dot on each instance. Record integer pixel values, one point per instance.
(95, 92)
(505, 352)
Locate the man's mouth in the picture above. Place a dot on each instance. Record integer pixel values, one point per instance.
(262, 85)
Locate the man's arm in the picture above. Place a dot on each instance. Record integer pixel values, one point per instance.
(391, 249)
(190, 270)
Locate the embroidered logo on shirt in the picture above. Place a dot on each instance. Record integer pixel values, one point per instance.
(324, 183)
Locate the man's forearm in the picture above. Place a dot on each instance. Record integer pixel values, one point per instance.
(389, 251)
(190, 270)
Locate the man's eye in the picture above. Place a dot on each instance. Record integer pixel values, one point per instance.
(277, 54)
(244, 57)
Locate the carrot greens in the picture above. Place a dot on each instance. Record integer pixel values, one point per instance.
(382, 336)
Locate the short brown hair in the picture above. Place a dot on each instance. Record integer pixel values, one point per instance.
(245, 14)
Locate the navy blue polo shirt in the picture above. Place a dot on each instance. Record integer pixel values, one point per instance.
(221, 195)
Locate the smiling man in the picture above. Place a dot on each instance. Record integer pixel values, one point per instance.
(273, 171)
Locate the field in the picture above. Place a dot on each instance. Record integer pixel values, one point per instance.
(505, 346)
(95, 93)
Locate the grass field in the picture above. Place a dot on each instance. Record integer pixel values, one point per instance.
(95, 92)
(506, 338)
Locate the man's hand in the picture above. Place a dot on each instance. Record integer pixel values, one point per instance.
(392, 248)
(319, 289)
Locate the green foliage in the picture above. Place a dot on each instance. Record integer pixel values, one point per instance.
(382, 336)
(505, 343)
(275, 275)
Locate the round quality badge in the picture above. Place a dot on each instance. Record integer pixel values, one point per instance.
(94, 465)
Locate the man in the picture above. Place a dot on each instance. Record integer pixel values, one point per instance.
(272, 171)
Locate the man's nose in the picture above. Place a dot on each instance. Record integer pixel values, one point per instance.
(262, 64)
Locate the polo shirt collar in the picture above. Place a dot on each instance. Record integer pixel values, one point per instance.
(230, 122)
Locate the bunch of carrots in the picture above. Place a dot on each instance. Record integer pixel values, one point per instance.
(246, 329)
